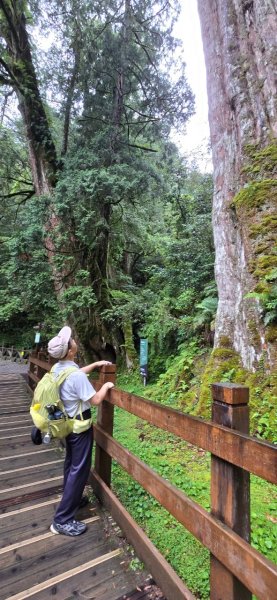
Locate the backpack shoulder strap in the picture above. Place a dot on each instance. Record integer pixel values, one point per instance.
(63, 374)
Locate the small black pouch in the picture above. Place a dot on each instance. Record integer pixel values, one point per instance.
(36, 436)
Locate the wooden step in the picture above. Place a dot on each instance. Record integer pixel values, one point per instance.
(31, 521)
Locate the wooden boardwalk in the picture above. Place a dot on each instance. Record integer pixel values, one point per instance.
(34, 563)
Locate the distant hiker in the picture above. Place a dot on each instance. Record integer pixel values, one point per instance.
(77, 395)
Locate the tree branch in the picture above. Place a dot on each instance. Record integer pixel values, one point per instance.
(142, 148)
(27, 193)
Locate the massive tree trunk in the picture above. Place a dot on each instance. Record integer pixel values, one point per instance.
(239, 38)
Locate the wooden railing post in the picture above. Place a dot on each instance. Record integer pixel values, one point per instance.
(230, 487)
(105, 417)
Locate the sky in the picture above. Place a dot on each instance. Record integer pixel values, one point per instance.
(197, 137)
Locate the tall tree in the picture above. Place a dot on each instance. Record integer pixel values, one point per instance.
(114, 100)
(239, 39)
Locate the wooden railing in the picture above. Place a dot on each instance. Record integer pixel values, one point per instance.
(13, 354)
(237, 569)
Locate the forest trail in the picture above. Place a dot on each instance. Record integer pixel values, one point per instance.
(12, 367)
(34, 562)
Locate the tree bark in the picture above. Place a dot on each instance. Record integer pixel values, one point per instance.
(239, 39)
(19, 68)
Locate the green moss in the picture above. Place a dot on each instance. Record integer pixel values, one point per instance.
(271, 333)
(256, 194)
(223, 353)
(267, 224)
(262, 288)
(256, 206)
(224, 341)
(264, 265)
(223, 365)
(261, 162)
(262, 247)
(254, 331)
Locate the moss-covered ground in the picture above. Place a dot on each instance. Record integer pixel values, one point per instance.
(189, 469)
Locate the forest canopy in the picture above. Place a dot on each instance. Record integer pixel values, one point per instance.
(103, 223)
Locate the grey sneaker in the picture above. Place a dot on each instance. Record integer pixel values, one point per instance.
(71, 528)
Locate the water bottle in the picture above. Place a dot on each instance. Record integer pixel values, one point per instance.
(47, 438)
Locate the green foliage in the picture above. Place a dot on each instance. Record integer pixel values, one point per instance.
(268, 300)
(177, 375)
(206, 311)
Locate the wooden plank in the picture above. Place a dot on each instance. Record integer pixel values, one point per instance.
(34, 377)
(35, 522)
(12, 411)
(105, 581)
(27, 593)
(34, 452)
(17, 446)
(43, 364)
(49, 555)
(163, 573)
(230, 488)
(18, 435)
(37, 538)
(17, 428)
(249, 566)
(32, 484)
(22, 479)
(19, 511)
(105, 418)
(31, 467)
(15, 402)
(6, 503)
(244, 451)
(23, 419)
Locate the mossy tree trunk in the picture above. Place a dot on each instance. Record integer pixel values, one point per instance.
(18, 72)
(239, 39)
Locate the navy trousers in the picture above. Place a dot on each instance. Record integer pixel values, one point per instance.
(76, 471)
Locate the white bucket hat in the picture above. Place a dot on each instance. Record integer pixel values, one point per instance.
(58, 346)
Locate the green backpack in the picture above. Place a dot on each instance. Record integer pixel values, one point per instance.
(47, 409)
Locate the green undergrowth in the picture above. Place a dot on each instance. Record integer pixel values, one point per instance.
(186, 385)
(188, 468)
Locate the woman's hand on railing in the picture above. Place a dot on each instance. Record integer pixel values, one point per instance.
(100, 395)
(96, 365)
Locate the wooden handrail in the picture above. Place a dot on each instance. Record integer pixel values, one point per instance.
(249, 453)
(228, 547)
